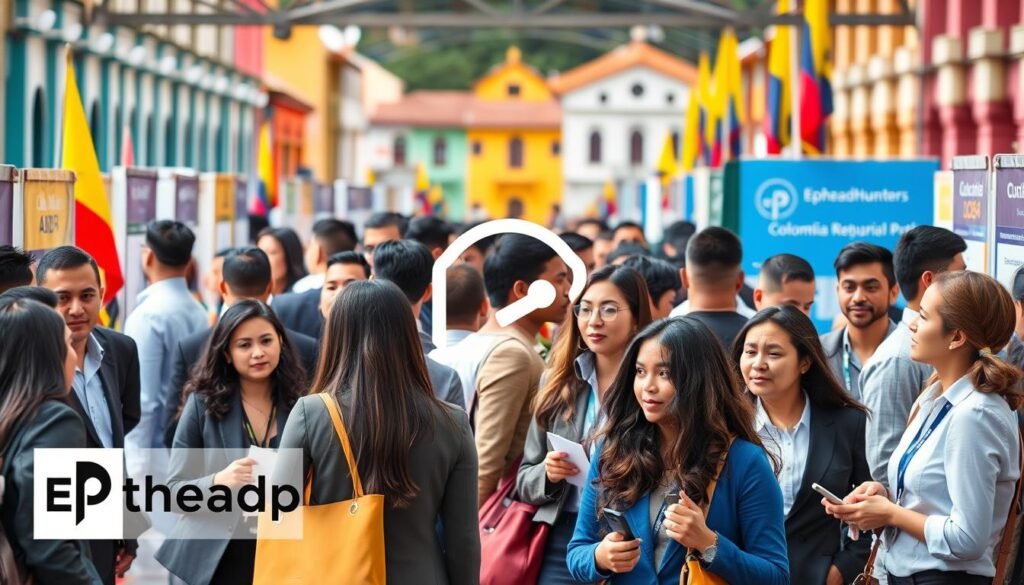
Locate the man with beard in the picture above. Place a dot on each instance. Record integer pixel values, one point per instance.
(866, 288)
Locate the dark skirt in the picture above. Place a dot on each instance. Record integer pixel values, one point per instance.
(555, 571)
(237, 565)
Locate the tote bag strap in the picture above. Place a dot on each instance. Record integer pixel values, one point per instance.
(339, 427)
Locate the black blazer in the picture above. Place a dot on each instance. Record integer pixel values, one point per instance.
(301, 312)
(190, 558)
(835, 460)
(119, 372)
(191, 349)
(57, 562)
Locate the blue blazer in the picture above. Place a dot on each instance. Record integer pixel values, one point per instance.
(746, 512)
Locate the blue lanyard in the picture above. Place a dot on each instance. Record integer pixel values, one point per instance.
(661, 514)
(915, 445)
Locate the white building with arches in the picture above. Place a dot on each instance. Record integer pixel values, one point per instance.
(617, 111)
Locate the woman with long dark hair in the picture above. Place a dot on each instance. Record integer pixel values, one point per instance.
(613, 307)
(815, 429)
(409, 446)
(239, 396)
(284, 250)
(678, 424)
(953, 475)
(37, 366)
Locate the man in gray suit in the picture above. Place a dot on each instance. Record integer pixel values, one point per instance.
(409, 265)
(866, 287)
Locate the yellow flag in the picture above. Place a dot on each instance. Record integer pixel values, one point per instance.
(667, 160)
(422, 181)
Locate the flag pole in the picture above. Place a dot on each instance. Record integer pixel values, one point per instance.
(795, 140)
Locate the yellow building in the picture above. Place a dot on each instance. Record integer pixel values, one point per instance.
(515, 143)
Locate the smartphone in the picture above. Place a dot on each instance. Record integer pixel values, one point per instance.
(671, 498)
(827, 494)
(617, 522)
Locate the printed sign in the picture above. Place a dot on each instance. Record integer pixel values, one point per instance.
(47, 200)
(1009, 212)
(970, 208)
(815, 207)
(140, 202)
(7, 177)
(323, 202)
(187, 199)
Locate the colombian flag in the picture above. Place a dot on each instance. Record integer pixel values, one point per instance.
(94, 229)
(728, 102)
(608, 206)
(780, 79)
(695, 143)
(267, 194)
(815, 76)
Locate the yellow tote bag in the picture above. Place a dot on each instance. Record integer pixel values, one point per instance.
(348, 535)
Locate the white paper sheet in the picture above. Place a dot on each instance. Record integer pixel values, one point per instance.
(577, 456)
(265, 461)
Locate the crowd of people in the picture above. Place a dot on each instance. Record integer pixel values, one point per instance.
(722, 435)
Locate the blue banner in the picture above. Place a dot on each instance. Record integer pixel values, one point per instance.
(813, 208)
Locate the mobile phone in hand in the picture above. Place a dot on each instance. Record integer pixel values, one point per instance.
(832, 498)
(617, 522)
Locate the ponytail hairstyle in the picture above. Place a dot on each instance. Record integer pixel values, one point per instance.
(983, 310)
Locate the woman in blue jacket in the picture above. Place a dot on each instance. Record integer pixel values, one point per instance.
(674, 412)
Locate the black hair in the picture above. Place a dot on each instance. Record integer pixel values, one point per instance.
(576, 242)
(859, 253)
(602, 226)
(782, 268)
(223, 252)
(677, 234)
(216, 380)
(483, 244)
(407, 263)
(293, 256)
(606, 236)
(36, 293)
(627, 225)
(516, 257)
(15, 267)
(466, 293)
(431, 231)
(714, 247)
(1018, 285)
(350, 257)
(32, 355)
(922, 249)
(171, 241)
(383, 219)
(335, 235)
(659, 275)
(628, 250)
(65, 258)
(246, 271)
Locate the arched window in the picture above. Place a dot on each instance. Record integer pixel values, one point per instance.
(595, 147)
(399, 151)
(636, 148)
(515, 153)
(440, 151)
(38, 130)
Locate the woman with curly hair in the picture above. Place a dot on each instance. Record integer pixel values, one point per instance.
(678, 425)
(239, 396)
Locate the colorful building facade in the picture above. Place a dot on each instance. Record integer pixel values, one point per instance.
(618, 111)
(515, 142)
(175, 92)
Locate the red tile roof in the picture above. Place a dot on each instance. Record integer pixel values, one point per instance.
(461, 109)
(620, 59)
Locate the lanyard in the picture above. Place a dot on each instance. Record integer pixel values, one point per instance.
(846, 369)
(252, 433)
(661, 515)
(919, 439)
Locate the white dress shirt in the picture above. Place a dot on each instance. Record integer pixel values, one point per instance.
(790, 446)
(963, 478)
(741, 308)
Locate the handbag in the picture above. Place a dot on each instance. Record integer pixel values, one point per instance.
(349, 533)
(11, 572)
(694, 572)
(511, 543)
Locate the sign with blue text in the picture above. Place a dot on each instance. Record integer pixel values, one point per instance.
(1009, 214)
(813, 208)
(970, 208)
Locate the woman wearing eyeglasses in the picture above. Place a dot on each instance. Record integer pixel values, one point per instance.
(613, 307)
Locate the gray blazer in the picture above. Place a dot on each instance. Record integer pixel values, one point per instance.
(444, 467)
(191, 559)
(532, 482)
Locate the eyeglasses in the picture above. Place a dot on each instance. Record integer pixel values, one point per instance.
(608, 312)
